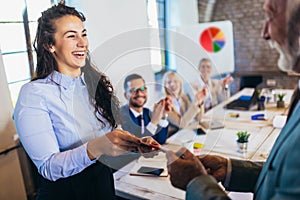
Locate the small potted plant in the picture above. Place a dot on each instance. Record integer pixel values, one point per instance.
(242, 140)
(280, 102)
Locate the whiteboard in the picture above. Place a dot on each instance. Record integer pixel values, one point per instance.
(189, 44)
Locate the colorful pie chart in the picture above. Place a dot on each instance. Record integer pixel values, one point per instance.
(212, 39)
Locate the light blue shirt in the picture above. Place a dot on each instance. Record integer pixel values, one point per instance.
(55, 120)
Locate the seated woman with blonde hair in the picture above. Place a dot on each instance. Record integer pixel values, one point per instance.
(184, 111)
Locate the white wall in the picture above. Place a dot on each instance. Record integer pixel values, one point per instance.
(11, 182)
(182, 12)
(7, 128)
(118, 41)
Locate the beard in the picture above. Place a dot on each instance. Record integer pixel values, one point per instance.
(137, 104)
(284, 62)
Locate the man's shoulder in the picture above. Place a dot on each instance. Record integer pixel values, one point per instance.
(124, 107)
(124, 110)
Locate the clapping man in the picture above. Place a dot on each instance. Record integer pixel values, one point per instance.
(139, 120)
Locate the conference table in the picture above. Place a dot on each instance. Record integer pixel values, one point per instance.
(221, 141)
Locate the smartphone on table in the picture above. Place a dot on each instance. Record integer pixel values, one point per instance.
(150, 170)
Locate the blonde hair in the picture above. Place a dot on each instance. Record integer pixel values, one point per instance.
(164, 79)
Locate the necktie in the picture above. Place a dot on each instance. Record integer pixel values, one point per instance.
(141, 123)
(294, 101)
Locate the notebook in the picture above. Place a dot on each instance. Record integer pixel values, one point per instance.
(243, 102)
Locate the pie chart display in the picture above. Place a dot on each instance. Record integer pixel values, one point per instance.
(212, 39)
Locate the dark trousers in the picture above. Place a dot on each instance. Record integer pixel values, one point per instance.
(94, 183)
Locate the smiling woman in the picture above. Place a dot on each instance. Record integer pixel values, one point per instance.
(76, 110)
(71, 45)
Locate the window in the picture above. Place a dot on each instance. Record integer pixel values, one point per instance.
(18, 21)
(156, 15)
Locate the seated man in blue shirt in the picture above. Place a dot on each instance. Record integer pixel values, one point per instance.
(137, 119)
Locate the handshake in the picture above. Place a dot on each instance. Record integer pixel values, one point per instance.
(183, 167)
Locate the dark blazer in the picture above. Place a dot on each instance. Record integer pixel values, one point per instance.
(277, 179)
(130, 123)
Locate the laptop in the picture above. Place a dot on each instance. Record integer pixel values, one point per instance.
(243, 102)
(211, 124)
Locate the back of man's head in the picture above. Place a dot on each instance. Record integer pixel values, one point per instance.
(293, 33)
(130, 78)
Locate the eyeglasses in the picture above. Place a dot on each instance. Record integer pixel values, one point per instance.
(136, 90)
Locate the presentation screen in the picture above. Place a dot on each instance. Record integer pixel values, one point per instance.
(213, 40)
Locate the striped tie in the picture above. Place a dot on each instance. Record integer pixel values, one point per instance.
(141, 123)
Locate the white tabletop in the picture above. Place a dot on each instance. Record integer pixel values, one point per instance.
(220, 142)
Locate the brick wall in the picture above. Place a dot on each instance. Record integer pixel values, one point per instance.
(252, 53)
(201, 9)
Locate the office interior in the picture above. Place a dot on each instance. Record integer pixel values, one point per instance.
(149, 37)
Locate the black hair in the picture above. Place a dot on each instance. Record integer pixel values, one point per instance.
(101, 92)
(130, 78)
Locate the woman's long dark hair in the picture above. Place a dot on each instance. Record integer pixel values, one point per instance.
(101, 92)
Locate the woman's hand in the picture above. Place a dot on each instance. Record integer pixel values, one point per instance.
(115, 143)
(227, 80)
(149, 150)
(168, 104)
(200, 95)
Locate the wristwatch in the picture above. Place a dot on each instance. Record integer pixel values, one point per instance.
(165, 116)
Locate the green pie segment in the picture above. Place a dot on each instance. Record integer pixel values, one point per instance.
(212, 39)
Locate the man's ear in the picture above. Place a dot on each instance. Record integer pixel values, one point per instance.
(125, 95)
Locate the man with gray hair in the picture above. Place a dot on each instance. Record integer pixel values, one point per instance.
(278, 177)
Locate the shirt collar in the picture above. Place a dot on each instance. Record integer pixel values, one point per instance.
(136, 114)
(203, 83)
(64, 80)
(82, 78)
